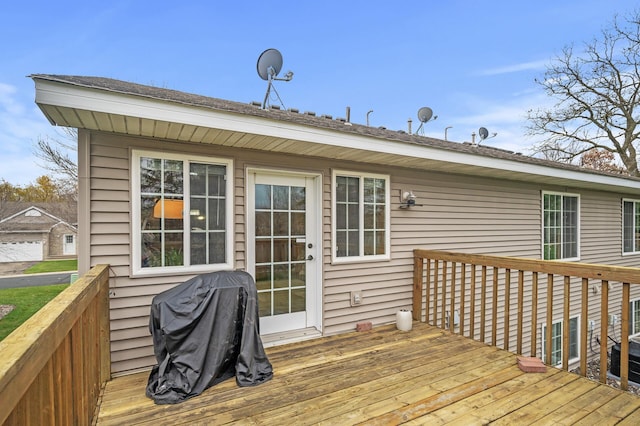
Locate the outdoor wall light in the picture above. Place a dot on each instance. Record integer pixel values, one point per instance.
(408, 200)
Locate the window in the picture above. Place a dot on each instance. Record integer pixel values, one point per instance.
(634, 317)
(360, 216)
(68, 239)
(560, 226)
(556, 342)
(630, 226)
(181, 213)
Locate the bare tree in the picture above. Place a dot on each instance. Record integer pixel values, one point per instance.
(56, 154)
(597, 94)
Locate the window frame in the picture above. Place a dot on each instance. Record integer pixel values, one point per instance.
(136, 222)
(636, 206)
(387, 211)
(575, 343)
(544, 225)
(632, 316)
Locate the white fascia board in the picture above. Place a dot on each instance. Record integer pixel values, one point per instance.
(99, 100)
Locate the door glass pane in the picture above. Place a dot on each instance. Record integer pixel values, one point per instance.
(280, 197)
(281, 302)
(298, 300)
(263, 277)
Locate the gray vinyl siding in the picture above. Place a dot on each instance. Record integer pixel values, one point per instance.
(458, 213)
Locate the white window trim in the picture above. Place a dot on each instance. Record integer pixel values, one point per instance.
(136, 268)
(387, 229)
(577, 337)
(631, 316)
(579, 225)
(637, 249)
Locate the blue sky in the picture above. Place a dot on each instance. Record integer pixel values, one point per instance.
(472, 62)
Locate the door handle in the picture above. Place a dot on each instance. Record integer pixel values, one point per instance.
(310, 257)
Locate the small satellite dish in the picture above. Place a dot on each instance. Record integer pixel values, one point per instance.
(484, 134)
(269, 66)
(425, 114)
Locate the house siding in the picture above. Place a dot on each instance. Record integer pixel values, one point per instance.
(458, 213)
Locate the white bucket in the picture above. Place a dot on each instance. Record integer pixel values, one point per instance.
(404, 320)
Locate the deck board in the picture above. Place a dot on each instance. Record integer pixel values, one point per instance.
(383, 376)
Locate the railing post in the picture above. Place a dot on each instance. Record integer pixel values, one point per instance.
(418, 270)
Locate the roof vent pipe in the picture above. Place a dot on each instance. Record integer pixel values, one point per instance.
(473, 138)
(348, 114)
(409, 125)
(369, 112)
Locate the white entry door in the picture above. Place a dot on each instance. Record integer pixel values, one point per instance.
(283, 251)
(69, 244)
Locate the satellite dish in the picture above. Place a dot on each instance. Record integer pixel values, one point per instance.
(424, 114)
(484, 134)
(269, 64)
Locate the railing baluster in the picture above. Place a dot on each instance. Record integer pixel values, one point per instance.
(483, 301)
(565, 323)
(584, 320)
(494, 308)
(507, 306)
(436, 265)
(463, 290)
(534, 313)
(547, 348)
(604, 320)
(443, 304)
(520, 310)
(452, 300)
(624, 345)
(472, 303)
(427, 291)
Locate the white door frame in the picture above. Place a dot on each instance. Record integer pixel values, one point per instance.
(314, 235)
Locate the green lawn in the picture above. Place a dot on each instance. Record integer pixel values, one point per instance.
(53, 266)
(27, 301)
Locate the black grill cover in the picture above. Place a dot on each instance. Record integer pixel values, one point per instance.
(206, 330)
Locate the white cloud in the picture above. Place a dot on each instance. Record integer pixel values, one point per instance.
(524, 66)
(20, 126)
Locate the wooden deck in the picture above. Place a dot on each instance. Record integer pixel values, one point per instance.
(384, 376)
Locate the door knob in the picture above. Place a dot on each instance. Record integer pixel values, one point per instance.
(310, 257)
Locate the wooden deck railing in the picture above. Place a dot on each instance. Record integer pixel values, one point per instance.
(482, 292)
(53, 366)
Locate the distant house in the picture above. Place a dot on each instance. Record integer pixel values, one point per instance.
(35, 232)
(322, 212)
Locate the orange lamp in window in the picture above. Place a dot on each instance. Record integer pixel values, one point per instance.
(172, 209)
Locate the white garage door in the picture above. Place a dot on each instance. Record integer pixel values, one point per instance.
(21, 252)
